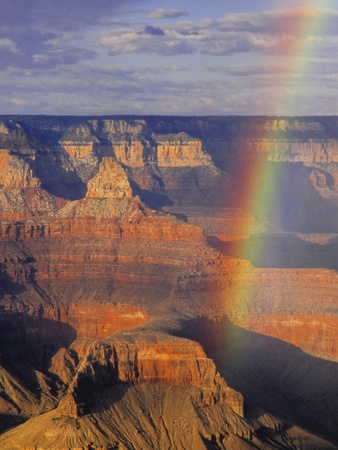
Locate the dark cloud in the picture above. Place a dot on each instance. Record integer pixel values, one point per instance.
(189, 33)
(167, 14)
(153, 31)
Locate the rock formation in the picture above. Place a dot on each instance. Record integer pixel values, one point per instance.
(79, 142)
(135, 311)
(110, 182)
(145, 357)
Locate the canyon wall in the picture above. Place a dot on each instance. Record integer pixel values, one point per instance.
(316, 334)
(115, 224)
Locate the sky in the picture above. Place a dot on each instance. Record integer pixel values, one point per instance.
(175, 57)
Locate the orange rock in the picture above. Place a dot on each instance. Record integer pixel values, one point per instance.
(78, 141)
(154, 358)
(133, 154)
(110, 182)
(180, 151)
(15, 173)
(78, 150)
(316, 334)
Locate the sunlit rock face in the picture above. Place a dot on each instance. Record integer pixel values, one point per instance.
(139, 281)
(110, 182)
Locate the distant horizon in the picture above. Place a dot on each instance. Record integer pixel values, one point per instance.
(284, 116)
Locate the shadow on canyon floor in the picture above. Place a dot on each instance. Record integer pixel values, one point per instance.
(100, 399)
(57, 179)
(32, 339)
(273, 374)
(28, 340)
(10, 421)
(27, 345)
(25, 332)
(285, 251)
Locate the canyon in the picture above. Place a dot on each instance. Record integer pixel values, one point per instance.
(168, 282)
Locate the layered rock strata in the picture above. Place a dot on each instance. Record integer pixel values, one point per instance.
(74, 273)
(151, 358)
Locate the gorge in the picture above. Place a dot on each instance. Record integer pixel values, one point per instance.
(168, 282)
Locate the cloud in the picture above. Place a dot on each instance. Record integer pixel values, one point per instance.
(129, 41)
(153, 31)
(40, 52)
(59, 14)
(53, 57)
(275, 32)
(62, 57)
(74, 89)
(292, 21)
(47, 33)
(8, 44)
(167, 14)
(178, 40)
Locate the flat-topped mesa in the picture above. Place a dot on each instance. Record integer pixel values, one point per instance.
(180, 150)
(110, 182)
(144, 357)
(169, 150)
(79, 141)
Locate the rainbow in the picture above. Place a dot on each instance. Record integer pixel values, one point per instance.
(310, 19)
(261, 183)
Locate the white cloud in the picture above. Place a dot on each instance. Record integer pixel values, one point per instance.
(56, 69)
(33, 30)
(163, 90)
(8, 44)
(278, 32)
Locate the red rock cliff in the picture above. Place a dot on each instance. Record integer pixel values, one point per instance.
(154, 358)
